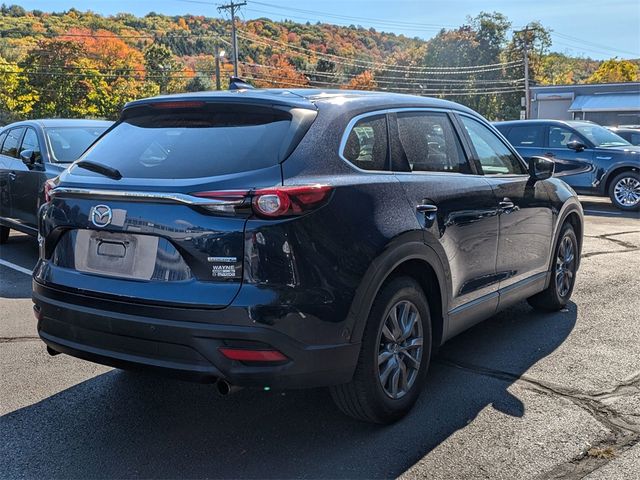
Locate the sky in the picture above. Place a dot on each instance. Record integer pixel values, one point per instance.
(590, 28)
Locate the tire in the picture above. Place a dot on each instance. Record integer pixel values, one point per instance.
(365, 397)
(563, 277)
(624, 191)
(4, 234)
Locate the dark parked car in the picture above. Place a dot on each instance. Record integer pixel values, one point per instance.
(590, 158)
(303, 238)
(31, 153)
(630, 134)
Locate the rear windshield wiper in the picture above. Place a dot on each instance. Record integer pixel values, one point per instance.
(105, 170)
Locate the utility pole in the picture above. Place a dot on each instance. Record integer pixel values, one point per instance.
(231, 6)
(527, 91)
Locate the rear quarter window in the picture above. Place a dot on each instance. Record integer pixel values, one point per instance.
(366, 143)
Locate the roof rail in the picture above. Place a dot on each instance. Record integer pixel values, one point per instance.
(236, 83)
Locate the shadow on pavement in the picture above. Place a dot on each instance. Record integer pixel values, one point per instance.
(123, 424)
(595, 208)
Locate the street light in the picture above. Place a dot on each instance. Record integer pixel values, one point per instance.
(219, 55)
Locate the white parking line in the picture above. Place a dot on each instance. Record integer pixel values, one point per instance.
(15, 267)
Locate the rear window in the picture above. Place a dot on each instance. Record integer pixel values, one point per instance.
(527, 136)
(200, 142)
(68, 143)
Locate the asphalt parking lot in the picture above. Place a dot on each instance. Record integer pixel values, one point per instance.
(522, 395)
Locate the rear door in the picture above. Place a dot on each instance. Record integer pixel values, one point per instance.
(526, 218)
(455, 205)
(171, 229)
(27, 182)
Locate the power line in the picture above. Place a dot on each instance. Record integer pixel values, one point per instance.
(379, 65)
(396, 80)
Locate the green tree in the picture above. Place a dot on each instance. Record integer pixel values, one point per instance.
(17, 98)
(162, 68)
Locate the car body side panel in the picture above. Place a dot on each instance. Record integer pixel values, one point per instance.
(525, 229)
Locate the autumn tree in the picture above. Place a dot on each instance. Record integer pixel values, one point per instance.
(54, 70)
(364, 81)
(281, 74)
(614, 70)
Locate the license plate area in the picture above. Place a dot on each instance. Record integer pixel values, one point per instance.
(116, 254)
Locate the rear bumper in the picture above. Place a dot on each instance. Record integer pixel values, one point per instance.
(100, 331)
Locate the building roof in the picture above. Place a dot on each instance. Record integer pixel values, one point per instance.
(606, 102)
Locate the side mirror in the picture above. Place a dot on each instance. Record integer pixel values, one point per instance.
(28, 157)
(541, 168)
(576, 145)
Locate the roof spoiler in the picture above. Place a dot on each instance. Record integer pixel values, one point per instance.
(236, 83)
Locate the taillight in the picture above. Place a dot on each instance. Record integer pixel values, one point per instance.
(294, 200)
(247, 355)
(48, 186)
(269, 202)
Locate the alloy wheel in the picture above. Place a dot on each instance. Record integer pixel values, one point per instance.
(400, 349)
(627, 192)
(565, 266)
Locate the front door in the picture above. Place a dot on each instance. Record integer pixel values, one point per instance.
(11, 164)
(28, 181)
(455, 205)
(574, 167)
(526, 219)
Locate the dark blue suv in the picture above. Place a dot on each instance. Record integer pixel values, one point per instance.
(590, 158)
(298, 238)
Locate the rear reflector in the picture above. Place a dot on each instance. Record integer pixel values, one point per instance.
(246, 355)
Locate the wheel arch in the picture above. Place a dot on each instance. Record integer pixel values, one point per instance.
(614, 173)
(411, 258)
(572, 213)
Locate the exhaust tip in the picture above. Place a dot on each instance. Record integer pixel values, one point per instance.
(225, 388)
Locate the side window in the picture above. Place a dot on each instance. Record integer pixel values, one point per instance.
(430, 144)
(30, 142)
(366, 145)
(560, 136)
(635, 139)
(3, 135)
(11, 143)
(494, 156)
(527, 136)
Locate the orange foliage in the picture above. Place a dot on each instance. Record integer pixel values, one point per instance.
(364, 81)
(283, 74)
(107, 51)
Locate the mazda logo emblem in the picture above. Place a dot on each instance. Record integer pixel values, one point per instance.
(101, 215)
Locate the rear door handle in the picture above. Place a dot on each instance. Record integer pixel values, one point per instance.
(426, 208)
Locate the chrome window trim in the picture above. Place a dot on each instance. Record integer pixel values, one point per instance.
(386, 111)
(157, 197)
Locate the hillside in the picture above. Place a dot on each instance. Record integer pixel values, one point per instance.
(82, 64)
